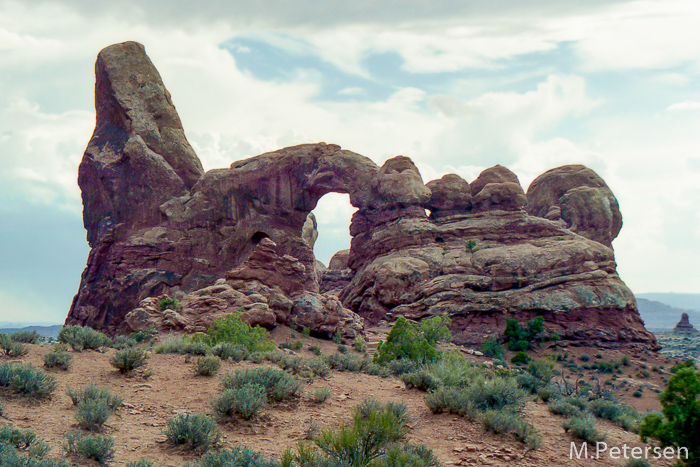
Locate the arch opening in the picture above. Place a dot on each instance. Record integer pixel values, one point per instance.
(333, 215)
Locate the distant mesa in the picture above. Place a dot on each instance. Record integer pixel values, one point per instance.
(241, 237)
(684, 327)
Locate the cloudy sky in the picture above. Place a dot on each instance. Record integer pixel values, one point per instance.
(456, 85)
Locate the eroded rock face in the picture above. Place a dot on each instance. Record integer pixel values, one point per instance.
(241, 238)
(579, 197)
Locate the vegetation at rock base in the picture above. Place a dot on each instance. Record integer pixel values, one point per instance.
(679, 423)
(83, 338)
(232, 330)
(519, 338)
(58, 359)
(412, 341)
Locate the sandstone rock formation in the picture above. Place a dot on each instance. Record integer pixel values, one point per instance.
(241, 237)
(684, 327)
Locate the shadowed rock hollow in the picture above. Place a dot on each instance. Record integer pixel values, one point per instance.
(235, 238)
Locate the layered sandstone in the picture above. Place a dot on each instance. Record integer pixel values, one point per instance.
(241, 238)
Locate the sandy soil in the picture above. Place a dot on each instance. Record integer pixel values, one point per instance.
(174, 387)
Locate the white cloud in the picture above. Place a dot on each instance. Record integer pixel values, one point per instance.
(685, 105)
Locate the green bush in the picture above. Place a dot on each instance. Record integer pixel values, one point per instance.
(679, 423)
(615, 411)
(408, 455)
(27, 380)
(500, 421)
(315, 349)
(359, 344)
(27, 337)
(230, 351)
(421, 379)
(82, 338)
(92, 414)
(182, 345)
(94, 393)
(11, 348)
(231, 329)
(321, 395)
(195, 431)
(20, 439)
(584, 357)
(143, 336)
(127, 360)
(142, 462)
(58, 359)
(237, 456)
(375, 427)
(583, 427)
(208, 366)
(97, 447)
(519, 338)
(568, 406)
(492, 348)
(9, 457)
(415, 342)
(278, 384)
(170, 304)
(246, 402)
(520, 358)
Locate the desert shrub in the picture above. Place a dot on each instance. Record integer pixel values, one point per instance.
(82, 338)
(355, 364)
(421, 379)
(492, 348)
(415, 342)
(445, 398)
(236, 456)
(496, 394)
(27, 380)
(231, 329)
(92, 414)
(342, 349)
(603, 366)
(321, 395)
(127, 360)
(194, 431)
(27, 337)
(538, 376)
(519, 338)
(123, 342)
(375, 426)
(230, 351)
(296, 345)
(499, 421)
(318, 367)
(584, 357)
(58, 359)
(142, 336)
(142, 462)
(208, 366)
(20, 439)
(679, 423)
(11, 348)
(315, 349)
(399, 367)
(642, 462)
(568, 406)
(9, 457)
(408, 455)
(359, 344)
(169, 304)
(278, 384)
(246, 402)
(583, 427)
(94, 393)
(306, 332)
(615, 411)
(520, 358)
(97, 447)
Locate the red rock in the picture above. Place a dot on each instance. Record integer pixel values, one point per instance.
(157, 225)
